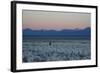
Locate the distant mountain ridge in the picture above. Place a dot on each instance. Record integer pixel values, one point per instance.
(65, 32)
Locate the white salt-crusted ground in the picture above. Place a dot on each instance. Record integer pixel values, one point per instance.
(55, 50)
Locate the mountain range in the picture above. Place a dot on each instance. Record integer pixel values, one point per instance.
(65, 32)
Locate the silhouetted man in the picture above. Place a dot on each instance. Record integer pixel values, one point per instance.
(50, 43)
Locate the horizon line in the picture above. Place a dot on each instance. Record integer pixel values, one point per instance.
(57, 29)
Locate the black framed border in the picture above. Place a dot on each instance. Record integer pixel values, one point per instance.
(14, 37)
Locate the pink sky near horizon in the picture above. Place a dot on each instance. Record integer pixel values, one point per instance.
(48, 20)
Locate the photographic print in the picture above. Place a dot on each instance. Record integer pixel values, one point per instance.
(48, 36)
(56, 36)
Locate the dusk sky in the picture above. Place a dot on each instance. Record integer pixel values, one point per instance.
(50, 20)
